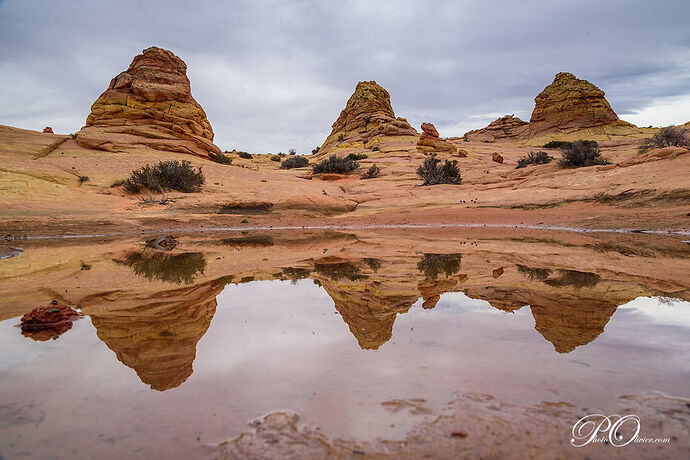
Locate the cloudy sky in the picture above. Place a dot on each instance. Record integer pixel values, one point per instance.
(273, 75)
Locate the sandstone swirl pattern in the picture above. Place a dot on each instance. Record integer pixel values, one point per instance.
(149, 105)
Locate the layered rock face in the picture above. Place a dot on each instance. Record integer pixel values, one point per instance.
(430, 141)
(367, 114)
(569, 104)
(507, 127)
(150, 105)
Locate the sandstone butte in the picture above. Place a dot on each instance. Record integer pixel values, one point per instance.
(367, 116)
(567, 109)
(430, 141)
(149, 104)
(52, 183)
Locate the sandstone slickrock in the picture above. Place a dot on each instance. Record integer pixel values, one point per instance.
(507, 127)
(430, 141)
(150, 105)
(368, 114)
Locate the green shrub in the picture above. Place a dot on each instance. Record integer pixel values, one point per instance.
(666, 137)
(376, 149)
(292, 152)
(222, 159)
(245, 155)
(581, 153)
(275, 158)
(557, 144)
(296, 161)
(534, 158)
(166, 175)
(357, 156)
(335, 164)
(372, 172)
(433, 173)
(316, 149)
(341, 137)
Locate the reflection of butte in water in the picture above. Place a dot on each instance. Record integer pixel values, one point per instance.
(157, 336)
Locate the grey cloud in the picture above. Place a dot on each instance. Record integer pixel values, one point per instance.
(273, 75)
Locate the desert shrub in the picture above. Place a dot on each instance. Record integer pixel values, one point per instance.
(292, 152)
(357, 156)
(433, 265)
(376, 149)
(275, 158)
(433, 173)
(581, 153)
(166, 175)
(534, 158)
(245, 155)
(372, 172)
(666, 137)
(557, 144)
(341, 137)
(373, 263)
(335, 164)
(316, 149)
(222, 158)
(294, 162)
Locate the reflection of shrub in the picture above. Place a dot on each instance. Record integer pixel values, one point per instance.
(295, 273)
(533, 273)
(178, 268)
(534, 158)
(432, 173)
(666, 137)
(372, 172)
(335, 164)
(574, 278)
(374, 264)
(294, 162)
(581, 153)
(557, 144)
(434, 264)
(339, 271)
(166, 175)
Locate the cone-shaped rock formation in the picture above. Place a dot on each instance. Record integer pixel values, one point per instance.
(150, 105)
(367, 114)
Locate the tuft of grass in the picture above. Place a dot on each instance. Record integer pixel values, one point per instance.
(433, 173)
(580, 154)
(166, 175)
(222, 159)
(336, 164)
(670, 136)
(296, 161)
(372, 172)
(534, 158)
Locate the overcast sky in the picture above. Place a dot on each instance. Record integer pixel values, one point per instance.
(273, 75)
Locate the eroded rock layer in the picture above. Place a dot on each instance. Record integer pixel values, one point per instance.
(507, 127)
(430, 141)
(150, 104)
(367, 114)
